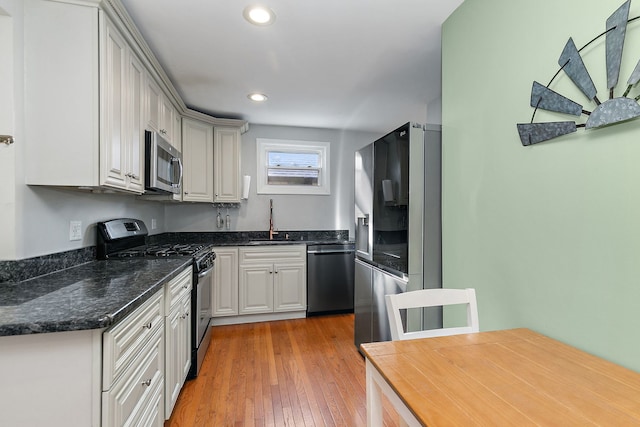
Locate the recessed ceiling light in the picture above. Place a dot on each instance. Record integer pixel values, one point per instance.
(259, 15)
(258, 97)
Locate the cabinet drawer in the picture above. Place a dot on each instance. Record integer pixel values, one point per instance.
(178, 287)
(273, 254)
(132, 398)
(122, 343)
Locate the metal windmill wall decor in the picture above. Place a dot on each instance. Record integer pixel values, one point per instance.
(612, 111)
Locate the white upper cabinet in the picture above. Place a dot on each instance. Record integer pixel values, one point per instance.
(122, 145)
(92, 86)
(197, 157)
(226, 169)
(163, 117)
(84, 100)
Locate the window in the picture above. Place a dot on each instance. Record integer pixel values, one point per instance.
(292, 167)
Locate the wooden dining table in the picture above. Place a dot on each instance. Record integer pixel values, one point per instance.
(514, 377)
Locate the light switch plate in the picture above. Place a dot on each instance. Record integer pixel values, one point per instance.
(75, 230)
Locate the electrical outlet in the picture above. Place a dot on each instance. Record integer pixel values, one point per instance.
(75, 230)
(154, 225)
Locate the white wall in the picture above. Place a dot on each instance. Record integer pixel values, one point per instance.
(291, 212)
(47, 212)
(35, 220)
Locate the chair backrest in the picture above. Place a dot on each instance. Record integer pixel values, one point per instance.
(431, 298)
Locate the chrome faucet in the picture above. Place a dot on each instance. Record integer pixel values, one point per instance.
(271, 231)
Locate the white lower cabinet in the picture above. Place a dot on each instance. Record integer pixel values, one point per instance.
(225, 282)
(133, 367)
(146, 358)
(272, 279)
(134, 397)
(177, 336)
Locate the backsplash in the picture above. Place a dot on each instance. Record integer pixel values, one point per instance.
(16, 271)
(245, 236)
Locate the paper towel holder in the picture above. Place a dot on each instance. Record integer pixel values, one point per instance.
(246, 185)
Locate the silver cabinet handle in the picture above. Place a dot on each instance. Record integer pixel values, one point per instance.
(6, 139)
(146, 383)
(147, 326)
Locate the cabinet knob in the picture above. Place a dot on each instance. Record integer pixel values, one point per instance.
(146, 383)
(147, 326)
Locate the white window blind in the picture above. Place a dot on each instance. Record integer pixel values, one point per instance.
(292, 167)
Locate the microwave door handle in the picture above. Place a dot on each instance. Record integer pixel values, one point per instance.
(177, 159)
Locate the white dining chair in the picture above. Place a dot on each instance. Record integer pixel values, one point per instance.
(431, 298)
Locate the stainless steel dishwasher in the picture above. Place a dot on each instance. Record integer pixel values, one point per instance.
(330, 270)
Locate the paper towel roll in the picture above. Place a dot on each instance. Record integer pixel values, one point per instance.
(246, 184)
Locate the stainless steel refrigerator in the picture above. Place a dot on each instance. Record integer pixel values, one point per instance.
(398, 238)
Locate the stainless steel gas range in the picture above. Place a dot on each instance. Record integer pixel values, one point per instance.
(125, 238)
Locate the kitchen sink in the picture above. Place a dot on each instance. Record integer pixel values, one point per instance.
(271, 242)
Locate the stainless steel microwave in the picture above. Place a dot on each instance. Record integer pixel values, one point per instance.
(163, 165)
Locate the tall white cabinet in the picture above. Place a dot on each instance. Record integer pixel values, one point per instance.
(227, 181)
(122, 91)
(197, 156)
(85, 116)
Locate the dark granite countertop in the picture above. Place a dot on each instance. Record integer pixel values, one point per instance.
(281, 242)
(94, 295)
(71, 291)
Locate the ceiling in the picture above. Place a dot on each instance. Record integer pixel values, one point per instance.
(368, 65)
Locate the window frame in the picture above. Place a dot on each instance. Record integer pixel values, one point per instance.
(264, 145)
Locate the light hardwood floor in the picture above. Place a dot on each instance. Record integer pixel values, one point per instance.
(304, 372)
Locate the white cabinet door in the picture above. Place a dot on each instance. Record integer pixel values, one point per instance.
(113, 145)
(154, 102)
(256, 289)
(178, 351)
(197, 157)
(290, 287)
(173, 385)
(136, 116)
(227, 182)
(167, 120)
(185, 339)
(177, 337)
(162, 116)
(225, 282)
(122, 88)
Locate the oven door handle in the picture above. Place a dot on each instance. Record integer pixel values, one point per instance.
(204, 273)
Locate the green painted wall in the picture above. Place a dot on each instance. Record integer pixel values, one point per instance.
(549, 235)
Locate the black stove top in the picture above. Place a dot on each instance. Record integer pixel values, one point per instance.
(164, 250)
(125, 238)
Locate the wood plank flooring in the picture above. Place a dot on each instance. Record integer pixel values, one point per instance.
(304, 372)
